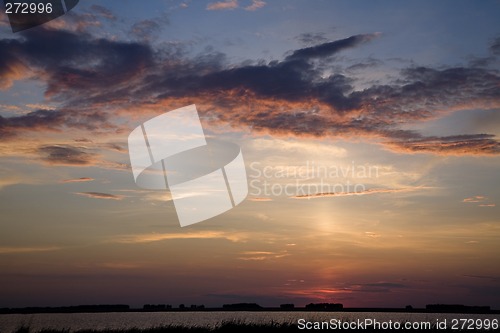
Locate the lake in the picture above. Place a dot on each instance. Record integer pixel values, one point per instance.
(127, 320)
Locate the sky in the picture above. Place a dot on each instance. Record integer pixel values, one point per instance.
(369, 130)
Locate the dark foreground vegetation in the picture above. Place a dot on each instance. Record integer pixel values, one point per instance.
(236, 327)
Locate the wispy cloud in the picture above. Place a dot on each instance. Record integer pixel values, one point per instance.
(452, 145)
(223, 5)
(233, 4)
(157, 237)
(327, 292)
(256, 4)
(481, 200)
(477, 198)
(78, 180)
(120, 265)
(484, 277)
(262, 255)
(346, 194)
(12, 250)
(99, 195)
(260, 199)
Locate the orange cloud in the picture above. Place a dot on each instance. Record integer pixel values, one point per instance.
(477, 198)
(78, 180)
(157, 237)
(259, 199)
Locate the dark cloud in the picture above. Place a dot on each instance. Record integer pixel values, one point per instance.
(485, 277)
(70, 61)
(36, 120)
(66, 155)
(330, 48)
(288, 97)
(52, 120)
(368, 63)
(99, 195)
(113, 146)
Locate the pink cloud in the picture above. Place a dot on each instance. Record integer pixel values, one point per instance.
(223, 5)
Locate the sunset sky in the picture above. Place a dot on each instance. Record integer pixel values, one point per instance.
(370, 133)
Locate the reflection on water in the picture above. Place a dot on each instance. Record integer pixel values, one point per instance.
(126, 320)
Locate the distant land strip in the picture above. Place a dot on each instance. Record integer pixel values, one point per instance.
(312, 307)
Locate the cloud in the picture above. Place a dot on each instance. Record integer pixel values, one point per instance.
(347, 194)
(484, 277)
(144, 29)
(33, 121)
(330, 48)
(256, 4)
(69, 61)
(147, 29)
(262, 255)
(259, 199)
(78, 180)
(303, 95)
(66, 155)
(157, 237)
(46, 120)
(480, 144)
(376, 287)
(82, 21)
(15, 250)
(385, 285)
(477, 198)
(11, 180)
(325, 293)
(481, 201)
(99, 195)
(120, 265)
(309, 38)
(223, 5)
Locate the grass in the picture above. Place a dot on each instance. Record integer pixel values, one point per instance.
(232, 326)
(228, 326)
